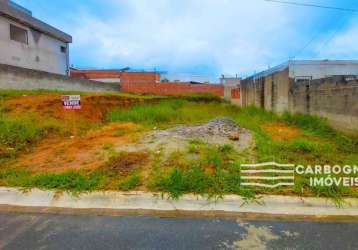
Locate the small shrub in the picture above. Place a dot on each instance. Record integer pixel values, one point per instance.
(193, 149)
(335, 192)
(226, 148)
(130, 182)
(70, 181)
(197, 181)
(108, 146)
(213, 157)
(315, 124)
(346, 143)
(16, 133)
(175, 183)
(195, 146)
(14, 177)
(302, 145)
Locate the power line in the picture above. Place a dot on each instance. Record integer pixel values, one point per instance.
(314, 37)
(299, 52)
(334, 33)
(313, 5)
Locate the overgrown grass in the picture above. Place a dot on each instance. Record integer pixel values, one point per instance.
(171, 111)
(15, 134)
(130, 182)
(18, 132)
(320, 127)
(314, 124)
(72, 181)
(215, 171)
(318, 143)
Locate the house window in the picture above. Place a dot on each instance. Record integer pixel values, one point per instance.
(63, 49)
(18, 34)
(303, 79)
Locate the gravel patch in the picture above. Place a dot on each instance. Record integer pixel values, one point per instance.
(218, 131)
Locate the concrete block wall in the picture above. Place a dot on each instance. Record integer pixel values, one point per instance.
(12, 77)
(335, 98)
(172, 88)
(269, 92)
(248, 92)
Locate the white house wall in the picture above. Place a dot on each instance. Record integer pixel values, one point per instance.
(41, 53)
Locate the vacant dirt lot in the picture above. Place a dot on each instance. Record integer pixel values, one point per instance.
(93, 106)
(83, 141)
(88, 142)
(85, 152)
(168, 144)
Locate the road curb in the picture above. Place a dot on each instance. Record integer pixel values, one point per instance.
(127, 201)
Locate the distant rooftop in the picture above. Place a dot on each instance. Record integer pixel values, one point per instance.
(126, 69)
(22, 15)
(290, 63)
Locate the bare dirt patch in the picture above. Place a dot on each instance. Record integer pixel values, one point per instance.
(125, 163)
(93, 106)
(281, 131)
(79, 147)
(218, 131)
(85, 152)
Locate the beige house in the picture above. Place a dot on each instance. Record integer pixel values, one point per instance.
(30, 43)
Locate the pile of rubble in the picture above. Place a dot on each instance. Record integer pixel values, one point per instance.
(219, 131)
(219, 128)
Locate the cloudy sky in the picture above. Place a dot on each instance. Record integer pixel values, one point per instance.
(203, 38)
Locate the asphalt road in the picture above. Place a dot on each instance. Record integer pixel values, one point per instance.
(50, 231)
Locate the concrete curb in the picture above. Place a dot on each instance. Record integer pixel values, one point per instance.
(269, 204)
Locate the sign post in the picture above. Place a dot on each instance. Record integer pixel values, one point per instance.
(71, 102)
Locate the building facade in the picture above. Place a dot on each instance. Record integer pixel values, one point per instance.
(30, 43)
(231, 88)
(230, 81)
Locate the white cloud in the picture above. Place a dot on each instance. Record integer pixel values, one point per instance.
(343, 45)
(226, 36)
